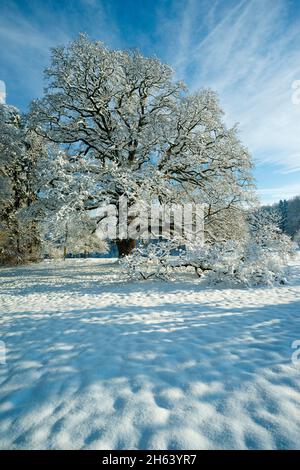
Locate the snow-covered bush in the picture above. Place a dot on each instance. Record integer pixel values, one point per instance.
(241, 263)
(257, 260)
(249, 265)
(152, 260)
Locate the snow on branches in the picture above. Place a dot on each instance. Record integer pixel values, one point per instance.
(19, 149)
(127, 124)
(257, 260)
(115, 124)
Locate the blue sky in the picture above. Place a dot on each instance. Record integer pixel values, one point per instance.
(248, 51)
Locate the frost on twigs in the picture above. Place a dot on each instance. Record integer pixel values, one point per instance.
(257, 260)
(152, 260)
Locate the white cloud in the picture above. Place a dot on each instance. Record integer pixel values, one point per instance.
(271, 195)
(25, 51)
(246, 50)
(26, 41)
(250, 55)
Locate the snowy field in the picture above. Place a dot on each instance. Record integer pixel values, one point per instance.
(96, 363)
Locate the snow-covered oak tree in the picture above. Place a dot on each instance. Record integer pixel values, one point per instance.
(130, 129)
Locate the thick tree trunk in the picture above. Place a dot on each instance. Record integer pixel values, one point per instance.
(125, 246)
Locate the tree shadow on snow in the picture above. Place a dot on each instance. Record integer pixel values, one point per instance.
(54, 356)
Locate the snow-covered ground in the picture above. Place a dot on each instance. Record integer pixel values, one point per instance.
(93, 362)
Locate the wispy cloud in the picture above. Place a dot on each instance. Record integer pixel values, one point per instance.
(247, 50)
(25, 50)
(29, 29)
(251, 56)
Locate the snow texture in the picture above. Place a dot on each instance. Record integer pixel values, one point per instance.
(96, 363)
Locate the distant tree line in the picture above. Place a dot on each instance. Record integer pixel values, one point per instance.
(289, 212)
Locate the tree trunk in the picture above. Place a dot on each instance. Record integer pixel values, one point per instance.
(66, 240)
(125, 246)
